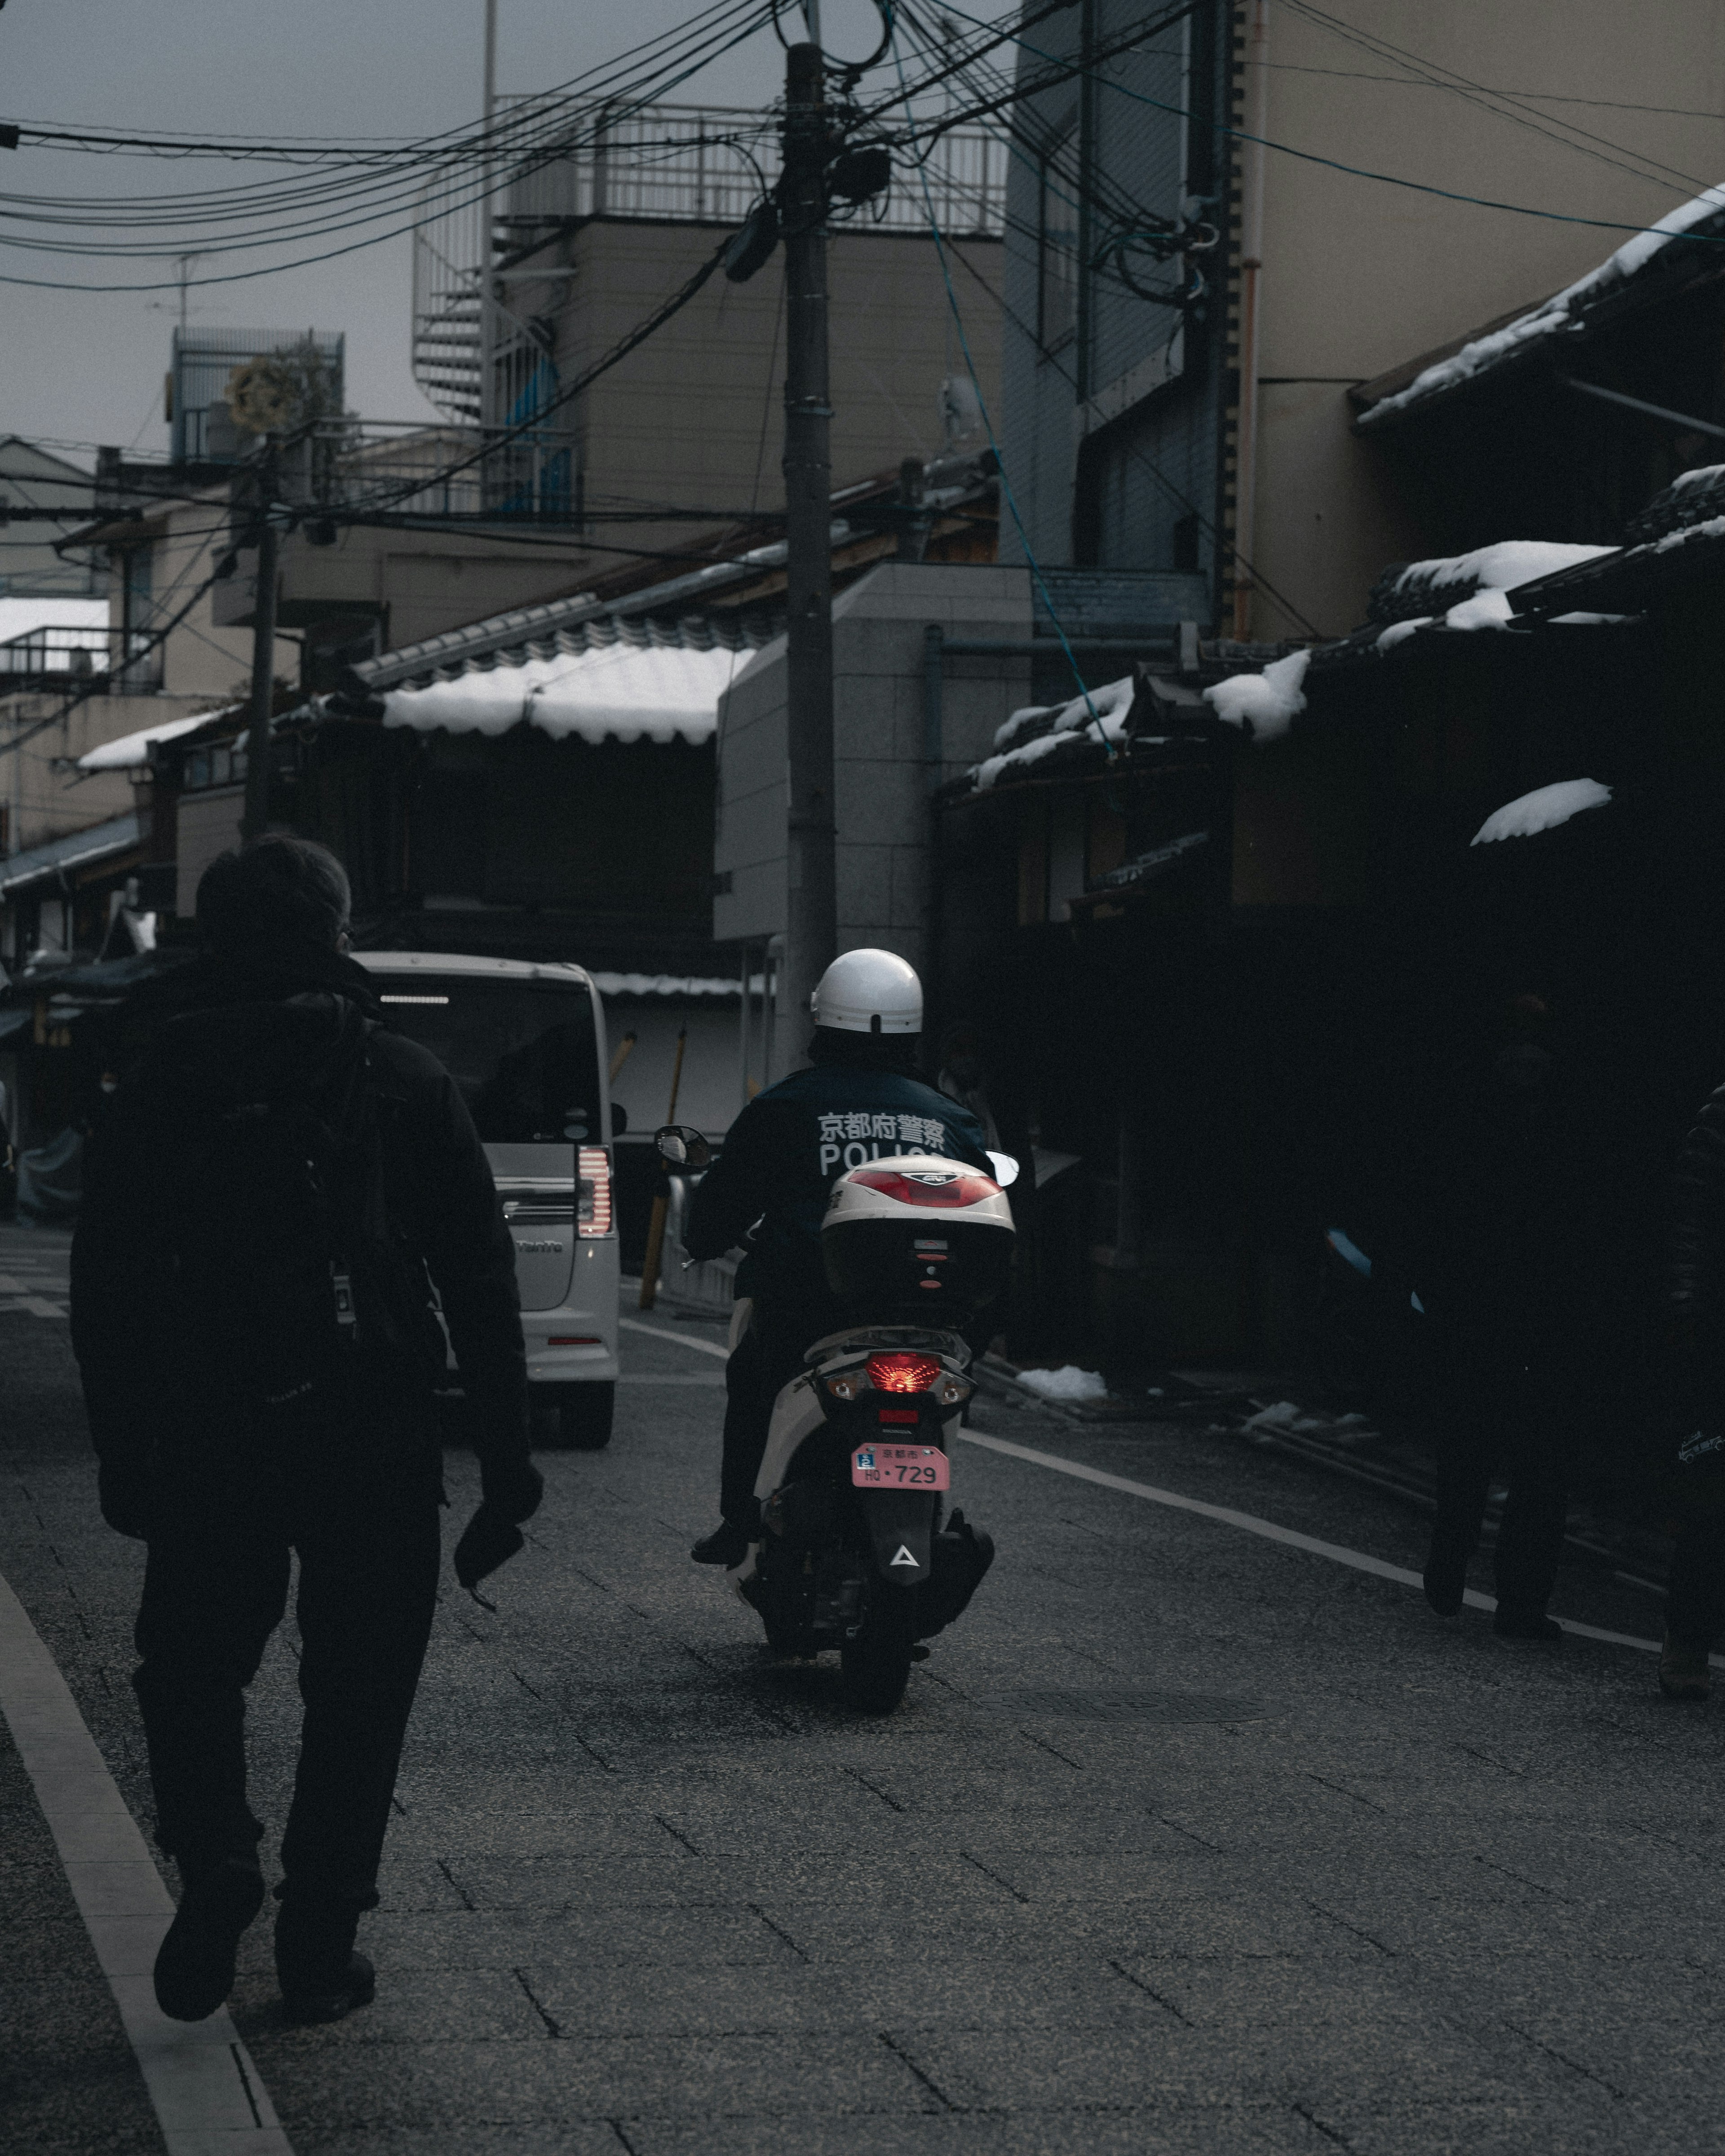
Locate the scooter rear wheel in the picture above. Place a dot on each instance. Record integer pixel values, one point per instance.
(875, 1666)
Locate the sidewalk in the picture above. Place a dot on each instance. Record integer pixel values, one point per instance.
(1183, 1842)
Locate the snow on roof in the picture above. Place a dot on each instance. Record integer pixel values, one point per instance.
(666, 984)
(1497, 569)
(1030, 734)
(1263, 706)
(1559, 313)
(1541, 810)
(622, 692)
(131, 750)
(76, 849)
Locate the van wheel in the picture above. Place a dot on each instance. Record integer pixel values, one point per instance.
(577, 1418)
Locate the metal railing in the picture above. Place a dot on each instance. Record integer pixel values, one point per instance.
(107, 661)
(662, 163)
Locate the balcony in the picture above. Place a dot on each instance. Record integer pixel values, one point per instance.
(59, 659)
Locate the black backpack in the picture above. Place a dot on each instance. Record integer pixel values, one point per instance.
(288, 1284)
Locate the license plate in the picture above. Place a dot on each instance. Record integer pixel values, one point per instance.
(900, 1467)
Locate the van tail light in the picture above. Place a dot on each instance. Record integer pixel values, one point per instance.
(902, 1374)
(592, 1209)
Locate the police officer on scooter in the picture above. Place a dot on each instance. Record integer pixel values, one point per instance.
(857, 1101)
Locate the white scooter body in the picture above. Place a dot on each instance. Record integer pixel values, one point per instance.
(797, 1411)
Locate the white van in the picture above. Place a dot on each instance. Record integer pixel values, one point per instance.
(526, 1044)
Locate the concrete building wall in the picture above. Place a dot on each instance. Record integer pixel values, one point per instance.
(1586, 110)
(1359, 276)
(207, 824)
(882, 781)
(695, 417)
(44, 797)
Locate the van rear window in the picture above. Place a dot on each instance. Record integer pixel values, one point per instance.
(523, 1054)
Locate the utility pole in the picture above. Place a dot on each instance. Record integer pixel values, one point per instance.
(259, 748)
(811, 901)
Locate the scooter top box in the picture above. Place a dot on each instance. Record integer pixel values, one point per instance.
(926, 1240)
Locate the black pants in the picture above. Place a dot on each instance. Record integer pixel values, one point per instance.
(764, 1361)
(1694, 1588)
(215, 1587)
(1522, 1413)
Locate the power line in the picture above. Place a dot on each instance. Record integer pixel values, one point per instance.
(1333, 164)
(546, 142)
(1444, 78)
(1134, 454)
(1006, 490)
(1535, 96)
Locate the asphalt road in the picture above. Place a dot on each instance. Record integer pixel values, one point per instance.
(1182, 1841)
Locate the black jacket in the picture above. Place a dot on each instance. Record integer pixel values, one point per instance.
(1697, 1238)
(783, 1154)
(243, 1032)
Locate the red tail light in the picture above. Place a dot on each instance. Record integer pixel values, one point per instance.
(902, 1374)
(593, 1210)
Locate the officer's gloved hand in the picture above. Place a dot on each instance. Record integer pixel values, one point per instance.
(510, 1492)
(126, 1491)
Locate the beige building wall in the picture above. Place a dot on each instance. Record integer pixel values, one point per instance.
(1359, 276)
(44, 797)
(695, 417)
(881, 782)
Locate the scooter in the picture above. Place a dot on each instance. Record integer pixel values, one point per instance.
(857, 1549)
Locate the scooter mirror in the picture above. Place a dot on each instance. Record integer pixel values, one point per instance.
(683, 1146)
(1006, 1169)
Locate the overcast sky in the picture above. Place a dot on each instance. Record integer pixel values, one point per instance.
(88, 368)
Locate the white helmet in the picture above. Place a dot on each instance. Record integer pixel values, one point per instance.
(869, 992)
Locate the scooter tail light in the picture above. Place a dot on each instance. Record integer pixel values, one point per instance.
(592, 1209)
(902, 1372)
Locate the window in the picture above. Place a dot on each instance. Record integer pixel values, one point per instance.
(523, 1053)
(1057, 242)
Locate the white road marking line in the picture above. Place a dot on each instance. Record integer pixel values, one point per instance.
(659, 1332)
(36, 1306)
(1291, 1536)
(207, 2094)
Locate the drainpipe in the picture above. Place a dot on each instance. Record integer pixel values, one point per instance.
(1251, 252)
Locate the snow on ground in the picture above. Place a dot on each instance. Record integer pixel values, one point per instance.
(1068, 1383)
(1263, 706)
(1541, 810)
(1558, 313)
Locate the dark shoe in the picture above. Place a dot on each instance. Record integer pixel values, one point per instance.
(321, 1975)
(357, 1985)
(1684, 1672)
(1513, 1624)
(194, 1964)
(728, 1545)
(1446, 1579)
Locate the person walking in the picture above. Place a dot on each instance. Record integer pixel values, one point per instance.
(858, 1101)
(1509, 1274)
(274, 1191)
